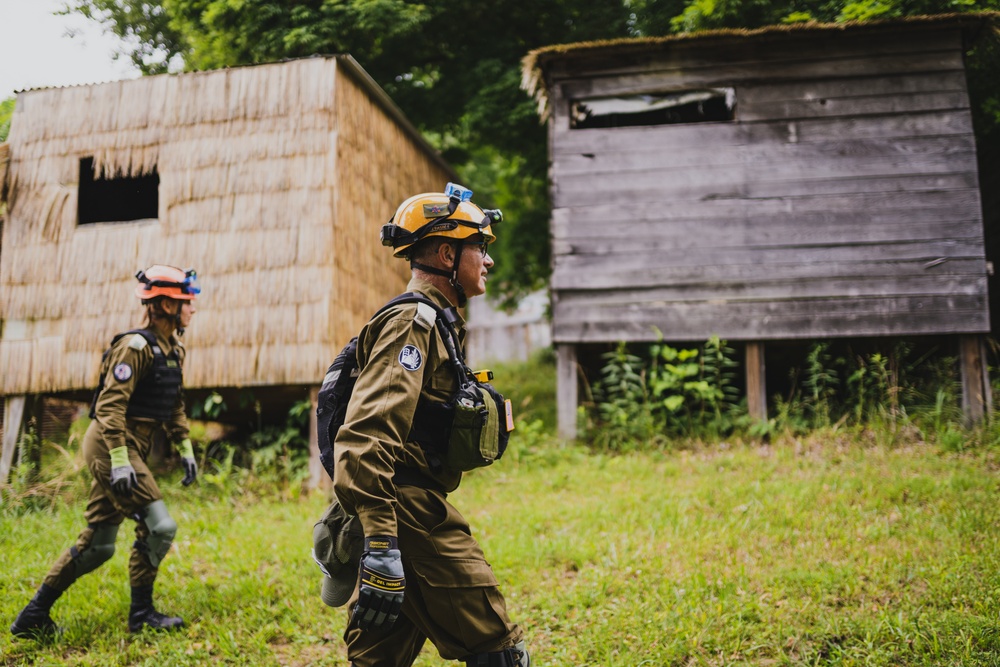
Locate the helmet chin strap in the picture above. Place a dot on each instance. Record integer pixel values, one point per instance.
(452, 275)
(462, 299)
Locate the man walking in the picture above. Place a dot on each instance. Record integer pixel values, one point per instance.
(422, 575)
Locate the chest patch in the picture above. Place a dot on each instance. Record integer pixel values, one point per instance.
(410, 358)
(122, 372)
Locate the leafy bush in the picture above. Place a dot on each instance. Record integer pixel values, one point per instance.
(643, 397)
(210, 409)
(647, 393)
(270, 458)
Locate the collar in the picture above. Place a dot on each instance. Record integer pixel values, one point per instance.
(166, 343)
(429, 290)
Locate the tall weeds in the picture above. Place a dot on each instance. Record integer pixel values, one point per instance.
(646, 393)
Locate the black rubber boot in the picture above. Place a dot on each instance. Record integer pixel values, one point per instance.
(142, 614)
(34, 620)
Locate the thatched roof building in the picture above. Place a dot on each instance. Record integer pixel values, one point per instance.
(272, 181)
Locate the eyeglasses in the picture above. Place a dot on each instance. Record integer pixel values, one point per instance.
(483, 246)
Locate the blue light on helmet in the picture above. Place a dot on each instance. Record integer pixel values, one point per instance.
(191, 284)
(458, 191)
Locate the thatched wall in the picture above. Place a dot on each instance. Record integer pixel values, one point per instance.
(255, 173)
(379, 169)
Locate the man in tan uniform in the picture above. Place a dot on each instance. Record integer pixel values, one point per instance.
(422, 576)
(139, 397)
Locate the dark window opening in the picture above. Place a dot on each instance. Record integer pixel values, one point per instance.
(685, 106)
(116, 199)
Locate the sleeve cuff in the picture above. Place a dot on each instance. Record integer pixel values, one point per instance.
(380, 543)
(119, 457)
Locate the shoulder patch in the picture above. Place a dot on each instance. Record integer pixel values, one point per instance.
(426, 315)
(410, 358)
(137, 342)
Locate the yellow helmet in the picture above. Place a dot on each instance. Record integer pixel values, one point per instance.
(451, 215)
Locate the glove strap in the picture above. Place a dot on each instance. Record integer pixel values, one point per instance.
(380, 543)
(119, 457)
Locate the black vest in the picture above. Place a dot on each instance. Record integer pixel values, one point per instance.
(155, 395)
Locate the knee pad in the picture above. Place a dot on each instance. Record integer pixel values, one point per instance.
(516, 656)
(162, 529)
(100, 549)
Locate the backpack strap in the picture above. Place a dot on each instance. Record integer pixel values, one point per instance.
(145, 333)
(445, 321)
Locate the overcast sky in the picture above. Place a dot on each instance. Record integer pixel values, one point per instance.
(37, 51)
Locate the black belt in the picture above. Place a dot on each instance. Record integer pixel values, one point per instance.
(406, 476)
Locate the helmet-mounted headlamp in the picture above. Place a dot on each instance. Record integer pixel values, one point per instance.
(458, 192)
(189, 285)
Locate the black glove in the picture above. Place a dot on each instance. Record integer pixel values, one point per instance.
(380, 595)
(123, 478)
(190, 471)
(187, 460)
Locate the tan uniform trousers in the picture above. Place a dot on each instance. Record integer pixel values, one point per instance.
(451, 598)
(106, 507)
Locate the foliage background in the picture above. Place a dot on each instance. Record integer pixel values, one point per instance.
(6, 111)
(453, 66)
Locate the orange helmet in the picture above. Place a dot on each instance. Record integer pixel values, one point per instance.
(168, 281)
(450, 215)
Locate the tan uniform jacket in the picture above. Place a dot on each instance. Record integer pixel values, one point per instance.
(373, 439)
(134, 352)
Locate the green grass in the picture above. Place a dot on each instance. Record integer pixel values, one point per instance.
(531, 387)
(820, 551)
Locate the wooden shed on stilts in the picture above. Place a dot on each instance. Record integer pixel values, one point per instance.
(795, 182)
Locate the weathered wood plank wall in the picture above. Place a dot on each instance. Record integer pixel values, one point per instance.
(842, 201)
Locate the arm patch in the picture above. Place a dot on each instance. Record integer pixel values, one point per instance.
(137, 342)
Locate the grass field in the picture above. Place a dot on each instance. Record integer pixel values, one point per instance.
(824, 551)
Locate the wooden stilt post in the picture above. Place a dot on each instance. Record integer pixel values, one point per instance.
(13, 415)
(318, 477)
(975, 384)
(30, 449)
(756, 384)
(566, 390)
(987, 386)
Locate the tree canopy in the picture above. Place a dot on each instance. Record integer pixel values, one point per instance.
(453, 66)
(6, 111)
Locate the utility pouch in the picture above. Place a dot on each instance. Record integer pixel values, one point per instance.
(474, 441)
